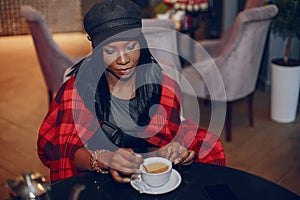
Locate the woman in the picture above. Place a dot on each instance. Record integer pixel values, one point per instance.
(118, 107)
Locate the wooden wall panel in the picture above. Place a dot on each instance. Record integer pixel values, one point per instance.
(62, 16)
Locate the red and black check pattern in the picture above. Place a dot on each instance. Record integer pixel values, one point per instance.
(68, 125)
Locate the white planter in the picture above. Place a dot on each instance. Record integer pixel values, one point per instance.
(285, 82)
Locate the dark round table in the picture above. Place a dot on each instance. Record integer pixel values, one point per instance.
(194, 178)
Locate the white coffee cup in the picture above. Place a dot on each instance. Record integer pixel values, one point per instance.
(158, 171)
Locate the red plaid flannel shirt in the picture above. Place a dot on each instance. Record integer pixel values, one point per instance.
(68, 125)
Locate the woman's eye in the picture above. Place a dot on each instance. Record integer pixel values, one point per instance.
(109, 51)
(131, 47)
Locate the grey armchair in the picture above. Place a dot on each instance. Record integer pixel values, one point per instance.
(162, 41)
(238, 61)
(52, 59)
(215, 46)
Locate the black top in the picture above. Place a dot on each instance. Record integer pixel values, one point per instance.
(121, 129)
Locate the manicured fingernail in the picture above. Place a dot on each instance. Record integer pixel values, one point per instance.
(176, 161)
(139, 155)
(127, 180)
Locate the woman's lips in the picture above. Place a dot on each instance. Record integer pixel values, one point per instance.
(125, 71)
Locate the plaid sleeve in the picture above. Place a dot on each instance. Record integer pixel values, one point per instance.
(207, 146)
(166, 126)
(64, 130)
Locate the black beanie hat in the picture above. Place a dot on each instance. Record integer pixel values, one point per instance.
(111, 17)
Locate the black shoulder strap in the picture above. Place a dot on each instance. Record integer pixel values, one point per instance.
(75, 68)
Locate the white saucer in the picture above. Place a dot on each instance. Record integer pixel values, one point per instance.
(172, 184)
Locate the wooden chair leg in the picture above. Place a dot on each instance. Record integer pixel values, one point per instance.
(206, 102)
(228, 122)
(250, 109)
(50, 94)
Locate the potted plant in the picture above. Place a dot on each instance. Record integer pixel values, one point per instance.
(162, 11)
(285, 72)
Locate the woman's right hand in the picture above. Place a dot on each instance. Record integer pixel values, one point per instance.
(122, 164)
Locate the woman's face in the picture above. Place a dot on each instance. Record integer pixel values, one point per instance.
(122, 57)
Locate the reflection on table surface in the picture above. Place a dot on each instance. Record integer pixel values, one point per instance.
(194, 178)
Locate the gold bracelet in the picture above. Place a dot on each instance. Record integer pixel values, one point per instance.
(94, 163)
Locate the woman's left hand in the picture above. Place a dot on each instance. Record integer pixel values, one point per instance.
(177, 153)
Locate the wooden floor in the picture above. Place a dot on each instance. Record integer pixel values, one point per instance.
(269, 149)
